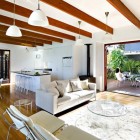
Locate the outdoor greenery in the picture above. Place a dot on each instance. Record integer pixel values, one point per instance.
(117, 59)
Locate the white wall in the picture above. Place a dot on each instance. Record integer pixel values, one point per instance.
(21, 58)
(52, 56)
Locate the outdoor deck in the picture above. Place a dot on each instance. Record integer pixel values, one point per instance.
(124, 88)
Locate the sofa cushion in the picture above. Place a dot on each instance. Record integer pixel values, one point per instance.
(66, 98)
(66, 85)
(83, 93)
(84, 84)
(76, 85)
(53, 90)
(44, 133)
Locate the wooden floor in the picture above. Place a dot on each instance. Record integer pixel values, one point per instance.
(9, 95)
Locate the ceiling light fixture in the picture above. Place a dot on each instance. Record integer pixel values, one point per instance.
(79, 41)
(107, 37)
(13, 30)
(38, 17)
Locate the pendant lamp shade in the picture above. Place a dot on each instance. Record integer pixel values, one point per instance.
(13, 31)
(38, 18)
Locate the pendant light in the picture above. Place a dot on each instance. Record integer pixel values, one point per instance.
(38, 18)
(79, 41)
(107, 37)
(13, 30)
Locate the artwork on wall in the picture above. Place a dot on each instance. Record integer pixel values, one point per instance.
(67, 61)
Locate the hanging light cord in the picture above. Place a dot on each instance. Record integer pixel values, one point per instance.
(14, 14)
(106, 13)
(79, 28)
(38, 5)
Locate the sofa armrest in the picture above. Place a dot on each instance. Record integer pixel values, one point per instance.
(46, 100)
(92, 86)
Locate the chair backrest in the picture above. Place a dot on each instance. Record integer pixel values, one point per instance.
(20, 125)
(119, 76)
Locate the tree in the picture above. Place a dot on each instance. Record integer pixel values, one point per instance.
(117, 59)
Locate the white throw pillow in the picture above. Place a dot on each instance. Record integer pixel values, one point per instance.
(65, 84)
(53, 90)
(44, 133)
(76, 85)
(48, 85)
(61, 89)
(84, 84)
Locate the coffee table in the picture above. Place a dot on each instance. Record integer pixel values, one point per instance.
(107, 108)
(23, 102)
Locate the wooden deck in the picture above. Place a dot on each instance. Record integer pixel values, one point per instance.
(9, 95)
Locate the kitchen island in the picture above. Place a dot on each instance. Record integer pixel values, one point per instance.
(30, 81)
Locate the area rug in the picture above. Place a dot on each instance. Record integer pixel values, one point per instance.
(125, 127)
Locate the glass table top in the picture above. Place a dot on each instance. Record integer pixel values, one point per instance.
(107, 108)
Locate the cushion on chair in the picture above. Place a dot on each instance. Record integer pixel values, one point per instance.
(44, 133)
(21, 116)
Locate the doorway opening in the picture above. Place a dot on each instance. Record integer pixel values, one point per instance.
(5, 65)
(126, 57)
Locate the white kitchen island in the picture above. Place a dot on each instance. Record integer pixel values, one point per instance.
(29, 81)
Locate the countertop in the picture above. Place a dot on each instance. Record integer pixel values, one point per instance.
(30, 73)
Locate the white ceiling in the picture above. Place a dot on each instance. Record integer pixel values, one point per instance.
(95, 8)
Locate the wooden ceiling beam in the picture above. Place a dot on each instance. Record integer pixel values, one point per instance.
(8, 6)
(44, 30)
(68, 27)
(118, 5)
(29, 39)
(32, 34)
(19, 40)
(16, 43)
(71, 10)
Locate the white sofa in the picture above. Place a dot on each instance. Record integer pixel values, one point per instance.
(49, 100)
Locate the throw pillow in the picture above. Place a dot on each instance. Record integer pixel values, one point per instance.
(76, 85)
(48, 85)
(53, 90)
(65, 84)
(61, 89)
(44, 133)
(84, 84)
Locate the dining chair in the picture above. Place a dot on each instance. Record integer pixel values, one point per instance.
(137, 81)
(0, 87)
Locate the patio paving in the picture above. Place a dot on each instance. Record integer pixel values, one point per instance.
(124, 88)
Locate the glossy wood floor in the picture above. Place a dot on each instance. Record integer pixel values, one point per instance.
(9, 95)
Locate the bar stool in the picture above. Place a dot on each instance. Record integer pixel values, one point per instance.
(17, 82)
(0, 86)
(27, 83)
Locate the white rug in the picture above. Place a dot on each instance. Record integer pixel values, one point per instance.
(126, 127)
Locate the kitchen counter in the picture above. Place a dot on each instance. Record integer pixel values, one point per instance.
(30, 73)
(29, 81)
